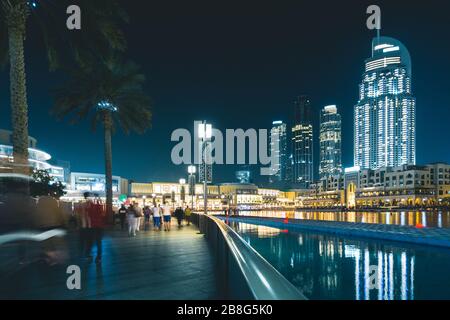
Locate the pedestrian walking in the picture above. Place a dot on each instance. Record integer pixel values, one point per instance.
(97, 218)
(131, 216)
(157, 217)
(83, 224)
(187, 215)
(139, 216)
(179, 214)
(122, 216)
(147, 213)
(167, 217)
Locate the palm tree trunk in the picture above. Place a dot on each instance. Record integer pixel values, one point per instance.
(16, 22)
(107, 122)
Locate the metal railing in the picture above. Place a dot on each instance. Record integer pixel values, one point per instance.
(242, 272)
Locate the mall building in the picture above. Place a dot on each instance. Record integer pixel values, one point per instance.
(80, 182)
(242, 195)
(38, 159)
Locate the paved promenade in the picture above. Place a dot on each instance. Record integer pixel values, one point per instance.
(153, 265)
(426, 236)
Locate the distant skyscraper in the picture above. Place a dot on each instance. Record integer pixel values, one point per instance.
(385, 114)
(302, 143)
(330, 142)
(278, 136)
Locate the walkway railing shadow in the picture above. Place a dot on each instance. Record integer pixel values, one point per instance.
(243, 272)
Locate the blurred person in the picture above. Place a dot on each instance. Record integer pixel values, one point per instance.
(131, 216)
(36, 229)
(16, 210)
(47, 217)
(122, 216)
(187, 214)
(139, 216)
(157, 217)
(84, 226)
(179, 214)
(166, 217)
(147, 213)
(97, 219)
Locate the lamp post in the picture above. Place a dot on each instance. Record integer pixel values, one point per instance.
(205, 134)
(182, 190)
(191, 171)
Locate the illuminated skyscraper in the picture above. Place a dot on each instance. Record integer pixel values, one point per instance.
(385, 127)
(330, 142)
(302, 143)
(278, 147)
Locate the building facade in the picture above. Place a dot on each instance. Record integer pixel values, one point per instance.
(302, 143)
(404, 186)
(278, 150)
(81, 182)
(384, 132)
(330, 142)
(38, 159)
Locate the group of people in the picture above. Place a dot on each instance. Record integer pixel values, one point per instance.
(136, 217)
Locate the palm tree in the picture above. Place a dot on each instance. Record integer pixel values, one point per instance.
(110, 92)
(100, 22)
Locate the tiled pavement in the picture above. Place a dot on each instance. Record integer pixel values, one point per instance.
(427, 236)
(153, 265)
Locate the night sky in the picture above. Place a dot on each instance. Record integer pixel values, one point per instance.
(241, 66)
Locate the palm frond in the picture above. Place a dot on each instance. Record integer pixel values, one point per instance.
(100, 30)
(120, 83)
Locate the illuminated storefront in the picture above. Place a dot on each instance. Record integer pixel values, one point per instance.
(94, 183)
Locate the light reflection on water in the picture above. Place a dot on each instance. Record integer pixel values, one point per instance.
(412, 218)
(330, 267)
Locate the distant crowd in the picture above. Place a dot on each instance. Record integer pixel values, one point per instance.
(159, 216)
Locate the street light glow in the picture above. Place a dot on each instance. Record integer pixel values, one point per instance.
(105, 105)
(192, 169)
(205, 131)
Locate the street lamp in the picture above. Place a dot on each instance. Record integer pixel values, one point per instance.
(205, 134)
(106, 106)
(191, 171)
(182, 190)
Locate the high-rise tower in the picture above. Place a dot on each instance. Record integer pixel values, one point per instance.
(385, 127)
(278, 148)
(302, 143)
(330, 142)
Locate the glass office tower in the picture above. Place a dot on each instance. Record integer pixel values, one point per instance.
(330, 142)
(385, 129)
(302, 143)
(278, 147)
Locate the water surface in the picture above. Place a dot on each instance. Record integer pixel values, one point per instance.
(331, 267)
(412, 218)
